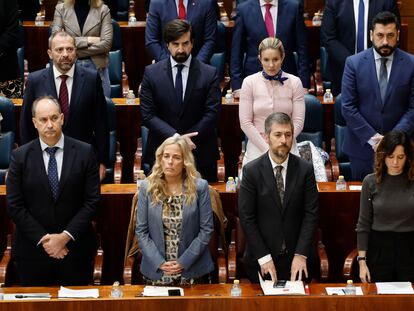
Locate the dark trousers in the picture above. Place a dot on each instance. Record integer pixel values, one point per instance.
(390, 256)
(48, 271)
(360, 168)
(208, 172)
(282, 264)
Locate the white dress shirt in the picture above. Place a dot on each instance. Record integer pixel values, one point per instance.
(273, 11)
(356, 13)
(69, 80)
(377, 58)
(185, 2)
(184, 72)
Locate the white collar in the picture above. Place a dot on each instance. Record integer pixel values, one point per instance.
(59, 144)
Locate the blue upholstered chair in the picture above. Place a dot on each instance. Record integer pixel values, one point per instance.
(219, 57)
(122, 7)
(340, 161)
(313, 127)
(115, 62)
(323, 54)
(114, 167)
(7, 135)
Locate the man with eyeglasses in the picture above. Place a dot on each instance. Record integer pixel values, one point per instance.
(80, 95)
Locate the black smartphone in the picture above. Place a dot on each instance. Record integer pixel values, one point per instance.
(280, 284)
(174, 292)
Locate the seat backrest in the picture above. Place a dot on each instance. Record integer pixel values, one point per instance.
(217, 61)
(111, 116)
(115, 73)
(8, 124)
(313, 127)
(340, 128)
(122, 7)
(6, 147)
(117, 36)
(220, 38)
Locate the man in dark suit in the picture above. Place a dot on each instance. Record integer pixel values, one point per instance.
(377, 94)
(52, 195)
(80, 94)
(181, 95)
(339, 31)
(285, 21)
(201, 14)
(278, 206)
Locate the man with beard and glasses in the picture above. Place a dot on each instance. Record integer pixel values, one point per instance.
(80, 95)
(181, 95)
(377, 94)
(278, 207)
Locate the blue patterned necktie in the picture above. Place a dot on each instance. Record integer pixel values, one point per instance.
(383, 78)
(179, 83)
(52, 172)
(277, 77)
(361, 30)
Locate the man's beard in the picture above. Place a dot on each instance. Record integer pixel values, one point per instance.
(181, 57)
(391, 49)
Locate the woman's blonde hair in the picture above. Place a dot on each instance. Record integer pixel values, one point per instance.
(157, 185)
(272, 43)
(92, 3)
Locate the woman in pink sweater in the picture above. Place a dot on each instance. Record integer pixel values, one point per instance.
(267, 91)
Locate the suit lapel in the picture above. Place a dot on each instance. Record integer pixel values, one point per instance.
(193, 74)
(49, 82)
(78, 81)
(172, 9)
(396, 67)
(349, 7)
(191, 9)
(257, 15)
(269, 179)
(72, 22)
(91, 20)
(291, 176)
(369, 59)
(170, 84)
(39, 164)
(69, 155)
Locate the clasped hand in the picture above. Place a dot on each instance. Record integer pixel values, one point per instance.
(171, 267)
(55, 245)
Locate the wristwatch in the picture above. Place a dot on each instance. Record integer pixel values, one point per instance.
(359, 258)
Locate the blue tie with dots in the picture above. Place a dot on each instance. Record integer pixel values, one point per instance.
(52, 172)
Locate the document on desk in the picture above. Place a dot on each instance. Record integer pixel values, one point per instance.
(78, 293)
(386, 288)
(157, 291)
(291, 288)
(355, 187)
(26, 296)
(340, 291)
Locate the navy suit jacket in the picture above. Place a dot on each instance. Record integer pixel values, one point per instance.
(87, 108)
(265, 221)
(200, 13)
(250, 30)
(164, 116)
(31, 205)
(338, 32)
(196, 229)
(363, 110)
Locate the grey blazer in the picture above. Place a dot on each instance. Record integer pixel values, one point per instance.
(197, 227)
(97, 24)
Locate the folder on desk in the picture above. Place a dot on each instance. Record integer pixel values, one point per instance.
(387, 288)
(291, 288)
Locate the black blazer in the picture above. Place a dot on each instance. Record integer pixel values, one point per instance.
(338, 32)
(9, 23)
(31, 206)
(87, 108)
(164, 116)
(265, 221)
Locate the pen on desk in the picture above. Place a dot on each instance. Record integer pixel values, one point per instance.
(343, 290)
(307, 290)
(32, 296)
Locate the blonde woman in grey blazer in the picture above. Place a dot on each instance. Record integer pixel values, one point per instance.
(89, 22)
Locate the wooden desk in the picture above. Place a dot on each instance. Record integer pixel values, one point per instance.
(214, 297)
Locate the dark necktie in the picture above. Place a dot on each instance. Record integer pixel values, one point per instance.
(383, 78)
(64, 97)
(52, 172)
(181, 9)
(279, 182)
(269, 21)
(361, 30)
(277, 77)
(179, 83)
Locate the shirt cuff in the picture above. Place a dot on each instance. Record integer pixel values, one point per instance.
(265, 259)
(303, 256)
(371, 142)
(70, 235)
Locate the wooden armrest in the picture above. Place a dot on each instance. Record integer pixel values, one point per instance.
(127, 274)
(323, 262)
(125, 82)
(349, 262)
(98, 261)
(232, 257)
(118, 165)
(221, 264)
(138, 159)
(328, 170)
(5, 261)
(221, 168)
(334, 161)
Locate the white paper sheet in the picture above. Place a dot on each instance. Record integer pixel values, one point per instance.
(394, 288)
(340, 291)
(78, 293)
(291, 288)
(160, 290)
(26, 296)
(355, 187)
